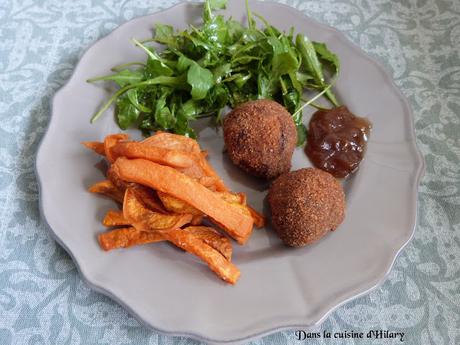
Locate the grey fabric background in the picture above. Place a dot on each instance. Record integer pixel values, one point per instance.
(42, 298)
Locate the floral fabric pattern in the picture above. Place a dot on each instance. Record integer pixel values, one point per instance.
(42, 298)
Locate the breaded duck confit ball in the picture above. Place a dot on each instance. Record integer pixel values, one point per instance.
(260, 137)
(305, 205)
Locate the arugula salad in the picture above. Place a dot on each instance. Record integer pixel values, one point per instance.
(223, 63)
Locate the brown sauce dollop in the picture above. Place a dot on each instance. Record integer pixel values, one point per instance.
(337, 140)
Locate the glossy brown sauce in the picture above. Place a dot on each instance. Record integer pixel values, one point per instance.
(337, 140)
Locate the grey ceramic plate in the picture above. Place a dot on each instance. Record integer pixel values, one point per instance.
(280, 288)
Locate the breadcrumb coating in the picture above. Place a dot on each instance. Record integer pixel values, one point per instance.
(305, 205)
(260, 137)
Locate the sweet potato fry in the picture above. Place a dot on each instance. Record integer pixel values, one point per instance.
(200, 169)
(173, 158)
(96, 146)
(240, 200)
(205, 174)
(215, 260)
(173, 142)
(127, 237)
(114, 218)
(209, 171)
(197, 220)
(243, 198)
(165, 183)
(212, 238)
(232, 197)
(209, 182)
(242, 209)
(259, 219)
(113, 177)
(130, 236)
(108, 189)
(147, 220)
(110, 141)
(172, 182)
(197, 173)
(146, 195)
(175, 205)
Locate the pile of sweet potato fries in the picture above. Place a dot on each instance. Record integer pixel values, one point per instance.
(167, 189)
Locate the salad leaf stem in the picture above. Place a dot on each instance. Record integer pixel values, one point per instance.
(148, 51)
(316, 105)
(251, 22)
(298, 111)
(172, 81)
(118, 68)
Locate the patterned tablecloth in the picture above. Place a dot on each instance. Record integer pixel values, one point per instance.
(42, 298)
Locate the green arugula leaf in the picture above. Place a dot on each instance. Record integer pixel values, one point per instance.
(305, 78)
(211, 5)
(147, 124)
(251, 21)
(201, 80)
(218, 97)
(126, 113)
(241, 79)
(216, 31)
(330, 60)
(179, 82)
(301, 134)
(164, 34)
(312, 63)
(157, 68)
(122, 78)
(191, 109)
(284, 63)
(327, 56)
(184, 63)
(284, 59)
(234, 29)
(264, 87)
(217, 4)
(164, 118)
(221, 63)
(296, 84)
(269, 29)
(252, 35)
(221, 71)
(133, 96)
(197, 43)
(309, 58)
(291, 97)
(182, 126)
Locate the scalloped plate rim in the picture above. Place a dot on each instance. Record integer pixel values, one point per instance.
(397, 248)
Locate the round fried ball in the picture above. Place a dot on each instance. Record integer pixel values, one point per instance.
(260, 137)
(305, 205)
